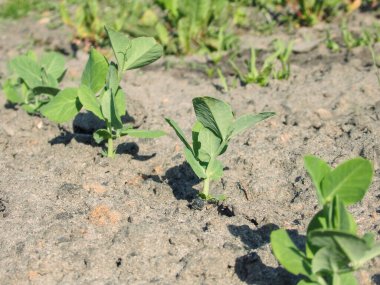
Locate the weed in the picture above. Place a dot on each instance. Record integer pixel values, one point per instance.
(334, 251)
(211, 134)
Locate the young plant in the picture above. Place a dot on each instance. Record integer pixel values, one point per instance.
(100, 91)
(262, 76)
(34, 82)
(334, 251)
(211, 134)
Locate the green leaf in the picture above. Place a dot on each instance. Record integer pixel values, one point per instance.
(143, 51)
(329, 259)
(89, 101)
(109, 110)
(209, 145)
(120, 44)
(112, 78)
(121, 106)
(101, 135)
(214, 114)
(63, 107)
(350, 180)
(28, 70)
(146, 134)
(317, 169)
(48, 79)
(54, 64)
(347, 278)
(357, 250)
(304, 282)
(179, 133)
(11, 93)
(95, 71)
(214, 169)
(288, 254)
(46, 90)
(246, 121)
(194, 164)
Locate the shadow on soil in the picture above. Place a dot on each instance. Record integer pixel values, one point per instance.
(181, 180)
(250, 268)
(85, 124)
(376, 279)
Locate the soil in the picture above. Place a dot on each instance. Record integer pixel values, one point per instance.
(70, 216)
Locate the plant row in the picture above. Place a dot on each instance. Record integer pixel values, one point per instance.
(333, 249)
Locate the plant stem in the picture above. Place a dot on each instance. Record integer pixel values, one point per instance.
(206, 186)
(110, 152)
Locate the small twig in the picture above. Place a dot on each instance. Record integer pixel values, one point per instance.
(242, 188)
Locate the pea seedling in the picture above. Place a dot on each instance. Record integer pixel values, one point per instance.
(34, 81)
(100, 91)
(334, 251)
(211, 133)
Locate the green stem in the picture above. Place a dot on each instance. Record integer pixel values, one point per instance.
(206, 186)
(110, 152)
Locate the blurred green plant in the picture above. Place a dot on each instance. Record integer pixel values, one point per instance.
(261, 76)
(19, 8)
(34, 81)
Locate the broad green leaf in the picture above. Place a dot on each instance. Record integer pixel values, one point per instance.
(95, 72)
(350, 180)
(194, 163)
(120, 44)
(89, 101)
(329, 259)
(214, 114)
(11, 93)
(54, 64)
(288, 254)
(143, 51)
(109, 111)
(63, 107)
(209, 145)
(146, 134)
(317, 169)
(179, 133)
(356, 249)
(28, 70)
(214, 169)
(246, 121)
(121, 106)
(101, 135)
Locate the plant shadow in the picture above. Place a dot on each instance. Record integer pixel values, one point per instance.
(132, 149)
(376, 279)
(250, 268)
(85, 124)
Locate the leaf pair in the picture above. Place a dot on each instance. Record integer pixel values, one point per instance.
(333, 250)
(349, 181)
(35, 81)
(211, 134)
